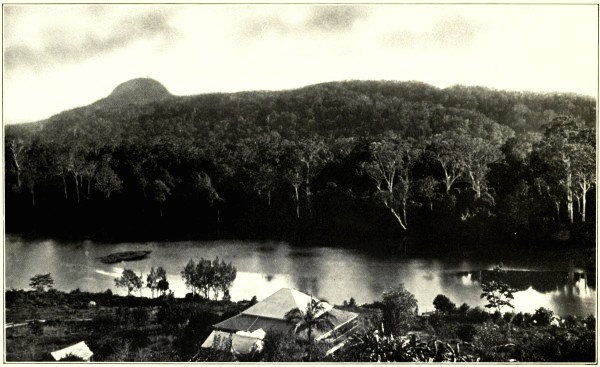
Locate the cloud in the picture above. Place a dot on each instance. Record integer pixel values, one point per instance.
(335, 18)
(324, 19)
(451, 32)
(269, 24)
(61, 45)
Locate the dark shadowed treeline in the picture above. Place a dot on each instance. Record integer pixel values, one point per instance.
(361, 160)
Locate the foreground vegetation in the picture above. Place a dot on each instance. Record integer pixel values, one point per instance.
(171, 329)
(117, 329)
(471, 167)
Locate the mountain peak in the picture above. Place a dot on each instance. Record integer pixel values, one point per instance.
(140, 90)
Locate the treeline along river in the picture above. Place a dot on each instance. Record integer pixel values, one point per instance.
(331, 273)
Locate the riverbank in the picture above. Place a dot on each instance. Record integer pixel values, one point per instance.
(168, 329)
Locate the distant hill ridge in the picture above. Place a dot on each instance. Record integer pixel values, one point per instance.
(405, 106)
(136, 91)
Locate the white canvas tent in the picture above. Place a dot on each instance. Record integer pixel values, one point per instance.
(80, 350)
(246, 331)
(242, 342)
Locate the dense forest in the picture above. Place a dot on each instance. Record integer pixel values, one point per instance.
(429, 169)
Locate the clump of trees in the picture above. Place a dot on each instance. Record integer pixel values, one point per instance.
(206, 276)
(130, 281)
(41, 282)
(156, 280)
(399, 310)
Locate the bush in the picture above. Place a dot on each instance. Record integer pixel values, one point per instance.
(36, 327)
(195, 332)
(443, 304)
(103, 321)
(590, 322)
(399, 310)
(137, 338)
(519, 319)
(140, 316)
(542, 317)
(477, 315)
(463, 309)
(509, 316)
(466, 332)
(488, 337)
(71, 358)
(253, 301)
(281, 346)
(496, 316)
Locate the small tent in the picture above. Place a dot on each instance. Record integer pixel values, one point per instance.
(80, 350)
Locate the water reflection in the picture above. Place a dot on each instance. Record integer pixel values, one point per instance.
(331, 273)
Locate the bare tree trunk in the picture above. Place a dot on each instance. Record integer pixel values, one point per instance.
(475, 185)
(269, 196)
(308, 201)
(297, 202)
(583, 207)
(64, 185)
(18, 177)
(77, 187)
(404, 212)
(15, 152)
(570, 206)
(569, 196)
(398, 218)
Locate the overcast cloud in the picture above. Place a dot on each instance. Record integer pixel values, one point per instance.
(322, 18)
(451, 32)
(57, 43)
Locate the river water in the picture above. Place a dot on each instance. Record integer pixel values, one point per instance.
(333, 274)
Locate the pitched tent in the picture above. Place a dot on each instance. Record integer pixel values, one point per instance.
(242, 342)
(279, 303)
(80, 350)
(269, 314)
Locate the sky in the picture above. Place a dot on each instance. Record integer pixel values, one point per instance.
(57, 57)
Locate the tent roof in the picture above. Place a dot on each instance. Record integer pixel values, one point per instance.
(221, 342)
(251, 323)
(281, 302)
(80, 350)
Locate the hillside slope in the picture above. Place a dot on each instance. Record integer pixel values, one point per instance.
(469, 163)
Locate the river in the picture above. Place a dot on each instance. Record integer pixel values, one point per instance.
(330, 273)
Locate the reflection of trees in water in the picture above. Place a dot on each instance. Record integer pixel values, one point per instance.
(541, 281)
(304, 267)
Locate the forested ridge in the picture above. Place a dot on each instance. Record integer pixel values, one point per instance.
(461, 167)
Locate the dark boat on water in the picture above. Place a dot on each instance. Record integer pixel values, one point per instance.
(124, 256)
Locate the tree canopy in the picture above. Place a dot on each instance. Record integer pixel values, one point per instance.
(41, 282)
(362, 159)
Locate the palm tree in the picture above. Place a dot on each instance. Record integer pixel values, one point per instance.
(313, 318)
